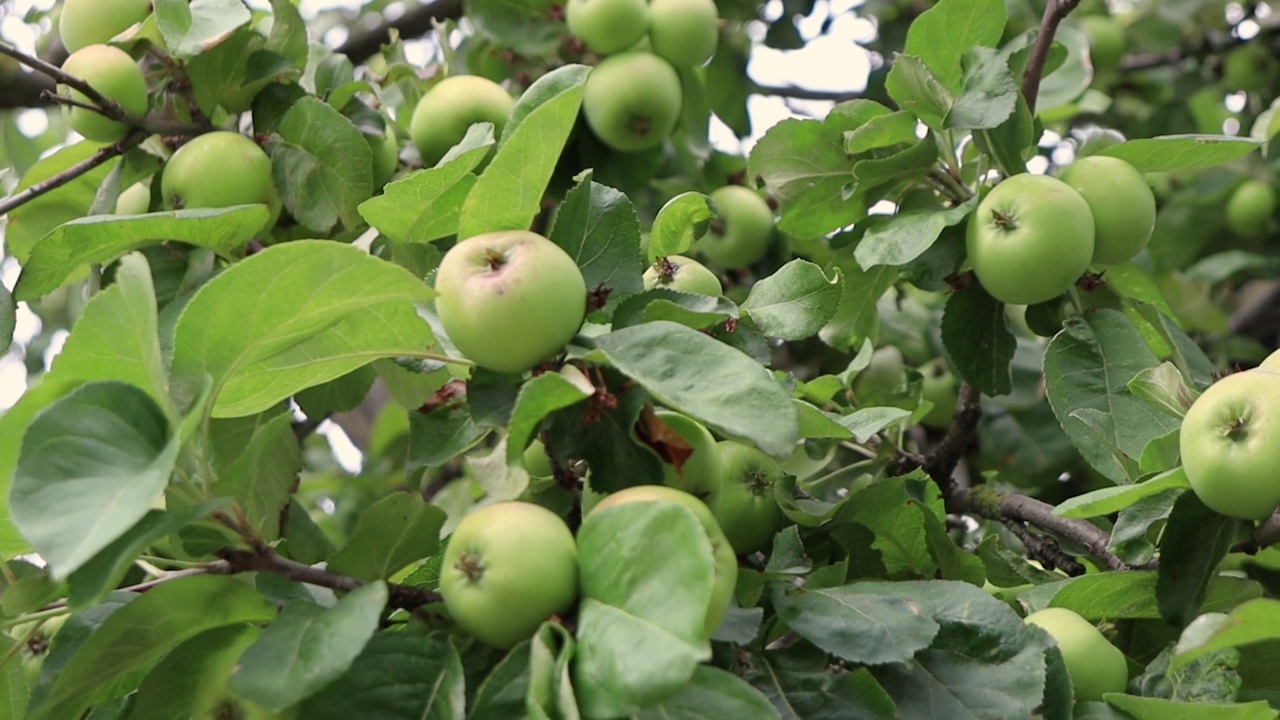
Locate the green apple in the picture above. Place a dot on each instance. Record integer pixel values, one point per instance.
(1251, 67)
(607, 26)
(1106, 41)
(1121, 202)
(507, 568)
(1096, 666)
(1250, 208)
(883, 382)
(135, 200)
(386, 155)
(1230, 444)
(89, 22)
(112, 72)
(684, 32)
(1030, 239)
(632, 101)
(745, 506)
(510, 300)
(700, 472)
(536, 462)
(1272, 362)
(940, 388)
(741, 234)
(676, 272)
(217, 170)
(726, 563)
(442, 116)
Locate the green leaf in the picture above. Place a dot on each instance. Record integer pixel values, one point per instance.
(1193, 544)
(91, 466)
(15, 692)
(795, 302)
(990, 93)
(509, 193)
(288, 35)
(712, 692)
(1008, 142)
(190, 27)
(1181, 152)
(393, 532)
(1253, 622)
(607, 442)
(8, 318)
(857, 319)
(397, 675)
(680, 221)
(540, 397)
(1148, 708)
(517, 24)
(307, 647)
(1114, 499)
(264, 475)
(425, 205)
(905, 237)
(144, 630)
(861, 628)
(1088, 366)
(743, 400)
(1130, 595)
(170, 690)
(689, 309)
(888, 509)
(954, 563)
(943, 34)
(99, 239)
(550, 686)
(35, 219)
(882, 131)
(1163, 387)
(322, 165)
(293, 316)
(866, 422)
(975, 331)
(799, 681)
(503, 693)
(597, 226)
(645, 571)
(915, 89)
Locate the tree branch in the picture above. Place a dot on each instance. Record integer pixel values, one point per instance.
(995, 505)
(1044, 549)
(941, 463)
(22, 197)
(1054, 13)
(405, 597)
(799, 93)
(1265, 535)
(414, 23)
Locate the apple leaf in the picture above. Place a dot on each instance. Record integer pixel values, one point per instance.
(538, 398)
(517, 24)
(1252, 622)
(1130, 595)
(1181, 152)
(509, 193)
(976, 334)
(8, 318)
(35, 219)
(402, 675)
(680, 221)
(190, 27)
(264, 475)
(1193, 544)
(861, 628)
(712, 692)
(688, 309)
(390, 534)
(795, 302)
(1150, 708)
(741, 400)
(1114, 499)
(322, 165)
(101, 238)
(308, 647)
(171, 688)
(857, 318)
(597, 226)
(945, 32)
(902, 238)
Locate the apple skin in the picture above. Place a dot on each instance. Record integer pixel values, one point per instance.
(940, 388)
(726, 563)
(745, 506)
(89, 22)
(1272, 362)
(742, 233)
(632, 101)
(1122, 204)
(217, 170)
(677, 272)
(536, 462)
(112, 72)
(135, 200)
(1230, 444)
(1095, 665)
(1030, 239)
(386, 155)
(507, 568)
(702, 473)
(684, 32)
(443, 115)
(510, 300)
(607, 26)
(1106, 41)
(1249, 208)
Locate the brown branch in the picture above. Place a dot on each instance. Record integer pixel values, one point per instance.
(405, 597)
(414, 23)
(992, 504)
(1054, 13)
(1265, 535)
(799, 93)
(1044, 549)
(941, 463)
(22, 197)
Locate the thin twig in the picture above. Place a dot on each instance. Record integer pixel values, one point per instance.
(1265, 535)
(799, 93)
(992, 504)
(22, 197)
(1054, 13)
(405, 597)
(1044, 549)
(414, 23)
(941, 463)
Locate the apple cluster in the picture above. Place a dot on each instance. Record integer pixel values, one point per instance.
(1033, 236)
(633, 98)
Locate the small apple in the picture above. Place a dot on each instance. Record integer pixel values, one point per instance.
(1106, 42)
(726, 563)
(684, 32)
(744, 506)
(443, 115)
(1030, 239)
(607, 26)
(216, 170)
(112, 72)
(89, 22)
(1272, 362)
(883, 382)
(386, 155)
(700, 472)
(940, 388)
(676, 272)
(1096, 667)
(536, 462)
(510, 300)
(1122, 204)
(135, 200)
(1250, 207)
(1230, 444)
(632, 101)
(507, 568)
(741, 234)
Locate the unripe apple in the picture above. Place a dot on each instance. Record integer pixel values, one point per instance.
(1272, 362)
(684, 32)
(443, 115)
(216, 170)
(89, 22)
(741, 234)
(1096, 667)
(386, 155)
(1106, 41)
(700, 473)
(676, 272)
(510, 300)
(745, 506)
(1250, 207)
(632, 101)
(135, 200)
(940, 388)
(883, 382)
(1121, 202)
(607, 26)
(112, 72)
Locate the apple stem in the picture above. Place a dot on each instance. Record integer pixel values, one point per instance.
(470, 565)
(1003, 221)
(496, 258)
(1237, 428)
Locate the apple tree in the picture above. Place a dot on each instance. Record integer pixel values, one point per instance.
(490, 359)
